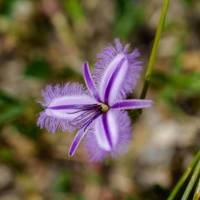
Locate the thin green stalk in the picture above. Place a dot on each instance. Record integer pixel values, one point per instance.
(192, 182)
(154, 48)
(184, 177)
(197, 192)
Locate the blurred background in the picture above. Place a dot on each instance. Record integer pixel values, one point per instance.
(46, 41)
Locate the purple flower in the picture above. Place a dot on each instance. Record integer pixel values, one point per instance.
(98, 112)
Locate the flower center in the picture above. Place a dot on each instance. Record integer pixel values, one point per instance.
(104, 107)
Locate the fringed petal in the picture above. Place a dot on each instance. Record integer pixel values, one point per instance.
(106, 131)
(79, 136)
(52, 123)
(98, 152)
(69, 89)
(89, 81)
(62, 105)
(106, 65)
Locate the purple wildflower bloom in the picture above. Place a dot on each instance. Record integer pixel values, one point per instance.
(98, 111)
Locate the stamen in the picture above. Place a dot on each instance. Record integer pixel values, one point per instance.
(88, 113)
(86, 118)
(104, 107)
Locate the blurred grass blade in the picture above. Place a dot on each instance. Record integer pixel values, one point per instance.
(184, 177)
(192, 182)
(197, 192)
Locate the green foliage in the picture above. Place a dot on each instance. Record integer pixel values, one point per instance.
(177, 82)
(62, 181)
(188, 2)
(79, 197)
(74, 9)
(69, 74)
(183, 82)
(10, 113)
(93, 178)
(6, 7)
(131, 198)
(176, 59)
(14, 112)
(28, 129)
(173, 86)
(6, 154)
(39, 68)
(10, 107)
(129, 16)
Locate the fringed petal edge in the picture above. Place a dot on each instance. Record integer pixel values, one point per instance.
(52, 123)
(96, 153)
(108, 54)
(50, 92)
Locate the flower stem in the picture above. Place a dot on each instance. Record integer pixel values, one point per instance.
(197, 192)
(184, 177)
(154, 48)
(192, 182)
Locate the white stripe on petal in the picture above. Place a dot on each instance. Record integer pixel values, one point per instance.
(68, 100)
(106, 131)
(118, 79)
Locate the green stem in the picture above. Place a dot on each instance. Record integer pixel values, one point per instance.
(155, 48)
(197, 192)
(192, 182)
(184, 177)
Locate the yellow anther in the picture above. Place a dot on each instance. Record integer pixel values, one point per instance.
(104, 107)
